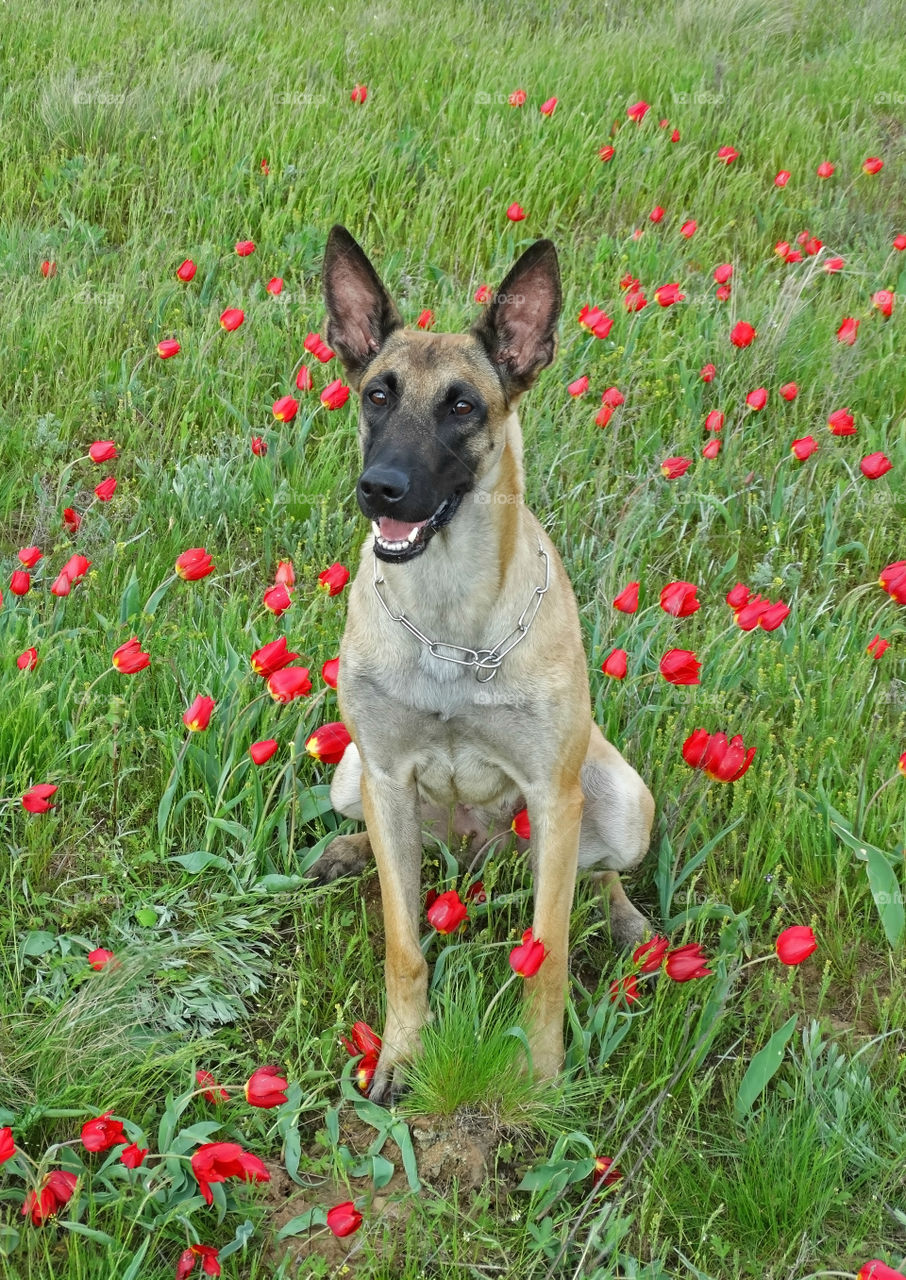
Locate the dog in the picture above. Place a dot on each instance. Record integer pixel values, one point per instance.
(463, 681)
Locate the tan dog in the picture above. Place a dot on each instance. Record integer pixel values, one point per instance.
(463, 681)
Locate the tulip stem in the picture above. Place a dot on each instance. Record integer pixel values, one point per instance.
(487, 1013)
(758, 960)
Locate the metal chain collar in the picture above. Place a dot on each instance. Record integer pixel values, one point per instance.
(486, 661)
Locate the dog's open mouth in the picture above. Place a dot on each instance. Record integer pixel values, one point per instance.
(400, 540)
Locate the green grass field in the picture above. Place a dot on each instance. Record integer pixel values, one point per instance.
(134, 139)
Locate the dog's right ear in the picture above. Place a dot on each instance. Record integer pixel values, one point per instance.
(361, 313)
(519, 329)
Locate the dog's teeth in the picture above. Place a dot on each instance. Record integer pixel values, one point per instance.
(413, 534)
(376, 529)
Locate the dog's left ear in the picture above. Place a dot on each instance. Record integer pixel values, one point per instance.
(361, 313)
(519, 328)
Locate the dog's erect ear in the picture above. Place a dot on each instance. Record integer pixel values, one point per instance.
(519, 328)
(361, 313)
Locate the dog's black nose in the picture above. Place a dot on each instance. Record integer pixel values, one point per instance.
(382, 484)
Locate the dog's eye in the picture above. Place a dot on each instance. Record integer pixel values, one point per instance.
(461, 408)
(377, 396)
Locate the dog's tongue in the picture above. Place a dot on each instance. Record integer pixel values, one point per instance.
(398, 530)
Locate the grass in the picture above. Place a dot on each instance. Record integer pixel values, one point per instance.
(139, 142)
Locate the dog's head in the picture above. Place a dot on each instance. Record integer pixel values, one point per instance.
(433, 405)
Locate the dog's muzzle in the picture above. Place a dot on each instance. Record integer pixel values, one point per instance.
(399, 540)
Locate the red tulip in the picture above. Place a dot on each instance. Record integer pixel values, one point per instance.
(714, 421)
(877, 647)
(666, 295)
(638, 111)
(343, 1219)
(649, 956)
(212, 1090)
(883, 301)
(711, 449)
(476, 893)
(804, 447)
(723, 273)
(833, 265)
(48, 269)
(272, 657)
(615, 664)
(688, 962)
(873, 467)
(29, 556)
(825, 169)
(848, 331)
(71, 520)
(528, 957)
(100, 957)
(789, 391)
(330, 672)
(274, 286)
(425, 320)
(841, 423)
(708, 373)
(76, 567)
(103, 1133)
(333, 579)
(893, 580)
(613, 398)
(515, 213)
(262, 751)
(186, 270)
(795, 944)
(721, 760)
(285, 573)
(628, 599)
(872, 165)
(782, 178)
(781, 248)
(656, 214)
(231, 319)
(688, 229)
(285, 409)
(675, 135)
(899, 243)
(334, 395)
(520, 826)
(303, 379)
(197, 717)
(678, 599)
(603, 416)
(723, 293)
(167, 348)
(447, 912)
(266, 1088)
(673, 468)
(106, 489)
(289, 684)
(132, 1155)
(757, 399)
(245, 247)
(36, 798)
(259, 446)
(359, 93)
(20, 582)
(27, 660)
(595, 321)
(635, 300)
(579, 387)
(680, 666)
(625, 989)
(318, 348)
(217, 1161)
(771, 617)
(484, 293)
(738, 596)
(876, 1270)
(727, 154)
(812, 245)
(194, 564)
(129, 658)
(56, 1190)
(277, 599)
(7, 1146)
(605, 1171)
(210, 1263)
(102, 451)
(363, 1040)
(328, 743)
(742, 334)
(547, 108)
(517, 98)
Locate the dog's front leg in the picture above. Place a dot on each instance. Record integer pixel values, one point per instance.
(391, 816)
(555, 818)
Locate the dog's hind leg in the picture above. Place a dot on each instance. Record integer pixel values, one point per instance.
(347, 855)
(616, 830)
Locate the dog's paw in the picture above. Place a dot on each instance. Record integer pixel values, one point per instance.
(388, 1085)
(628, 927)
(344, 856)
